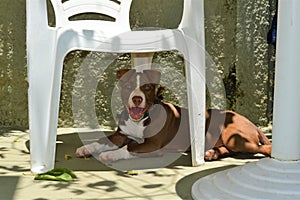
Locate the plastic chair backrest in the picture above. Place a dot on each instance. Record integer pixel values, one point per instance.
(118, 10)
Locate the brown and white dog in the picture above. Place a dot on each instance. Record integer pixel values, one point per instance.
(150, 126)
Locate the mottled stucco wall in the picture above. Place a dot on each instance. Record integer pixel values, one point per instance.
(13, 72)
(235, 39)
(254, 60)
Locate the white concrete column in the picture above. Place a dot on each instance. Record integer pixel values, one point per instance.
(286, 122)
(277, 177)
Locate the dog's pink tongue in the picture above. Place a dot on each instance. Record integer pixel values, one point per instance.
(136, 113)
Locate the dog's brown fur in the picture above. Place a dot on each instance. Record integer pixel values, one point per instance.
(236, 134)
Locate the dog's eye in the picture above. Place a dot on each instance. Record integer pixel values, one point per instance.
(147, 87)
(128, 86)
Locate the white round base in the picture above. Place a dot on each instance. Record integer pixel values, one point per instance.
(265, 179)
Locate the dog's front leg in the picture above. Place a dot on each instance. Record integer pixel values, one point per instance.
(119, 154)
(146, 147)
(110, 143)
(131, 150)
(94, 148)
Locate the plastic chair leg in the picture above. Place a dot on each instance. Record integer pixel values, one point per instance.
(195, 75)
(44, 89)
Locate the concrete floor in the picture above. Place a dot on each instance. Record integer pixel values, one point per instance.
(96, 180)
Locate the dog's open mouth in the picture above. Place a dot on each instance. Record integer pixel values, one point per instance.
(137, 113)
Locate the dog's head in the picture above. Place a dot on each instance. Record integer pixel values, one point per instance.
(138, 91)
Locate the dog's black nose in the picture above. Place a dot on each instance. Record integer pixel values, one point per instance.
(137, 100)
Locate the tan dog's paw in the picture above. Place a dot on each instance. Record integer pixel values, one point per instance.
(119, 154)
(82, 152)
(109, 156)
(87, 150)
(211, 154)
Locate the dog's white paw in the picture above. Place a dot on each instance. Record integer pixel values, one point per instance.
(119, 154)
(93, 148)
(87, 150)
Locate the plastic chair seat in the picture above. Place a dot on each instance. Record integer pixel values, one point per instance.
(146, 41)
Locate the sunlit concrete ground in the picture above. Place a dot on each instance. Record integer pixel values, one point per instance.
(96, 180)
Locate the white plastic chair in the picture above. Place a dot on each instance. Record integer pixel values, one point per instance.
(47, 47)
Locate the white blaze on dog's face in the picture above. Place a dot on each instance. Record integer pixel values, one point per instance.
(138, 91)
(137, 96)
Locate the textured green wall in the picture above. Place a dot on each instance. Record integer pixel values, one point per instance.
(235, 39)
(236, 32)
(254, 60)
(13, 73)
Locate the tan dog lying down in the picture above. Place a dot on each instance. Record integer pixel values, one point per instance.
(148, 125)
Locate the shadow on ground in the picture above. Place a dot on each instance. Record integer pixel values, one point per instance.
(184, 185)
(8, 186)
(65, 157)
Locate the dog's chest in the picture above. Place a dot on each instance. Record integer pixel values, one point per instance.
(134, 130)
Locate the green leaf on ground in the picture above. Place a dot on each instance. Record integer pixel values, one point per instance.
(57, 174)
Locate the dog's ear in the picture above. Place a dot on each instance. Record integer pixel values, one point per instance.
(121, 72)
(153, 75)
(160, 92)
